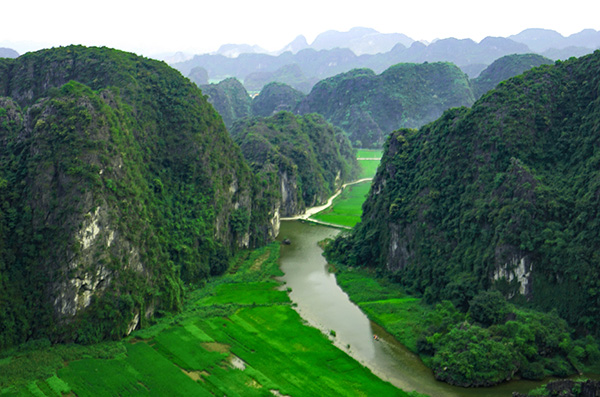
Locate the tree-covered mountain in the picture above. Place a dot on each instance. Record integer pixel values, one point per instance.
(118, 184)
(493, 202)
(503, 195)
(198, 75)
(334, 52)
(313, 65)
(291, 75)
(230, 99)
(504, 68)
(369, 106)
(301, 160)
(275, 97)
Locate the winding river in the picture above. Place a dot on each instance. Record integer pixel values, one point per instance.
(322, 303)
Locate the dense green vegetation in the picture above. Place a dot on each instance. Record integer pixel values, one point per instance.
(302, 160)
(369, 106)
(290, 75)
(237, 336)
(565, 388)
(502, 197)
(118, 185)
(492, 342)
(505, 68)
(275, 97)
(230, 99)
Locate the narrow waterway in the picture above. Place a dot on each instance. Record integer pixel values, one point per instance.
(322, 303)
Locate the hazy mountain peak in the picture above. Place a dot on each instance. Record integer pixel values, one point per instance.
(234, 50)
(360, 40)
(296, 45)
(8, 53)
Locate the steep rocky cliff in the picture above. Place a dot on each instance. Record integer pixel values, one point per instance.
(503, 195)
(119, 183)
(302, 159)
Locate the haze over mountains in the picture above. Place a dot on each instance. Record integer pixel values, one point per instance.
(301, 65)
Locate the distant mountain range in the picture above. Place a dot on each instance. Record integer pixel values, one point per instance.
(368, 106)
(301, 65)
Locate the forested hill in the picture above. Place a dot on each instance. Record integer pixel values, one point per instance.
(230, 99)
(118, 184)
(504, 195)
(302, 160)
(505, 68)
(369, 106)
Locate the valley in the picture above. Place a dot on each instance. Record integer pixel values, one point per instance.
(386, 229)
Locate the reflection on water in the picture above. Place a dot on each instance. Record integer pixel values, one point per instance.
(324, 305)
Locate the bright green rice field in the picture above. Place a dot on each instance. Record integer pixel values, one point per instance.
(237, 336)
(347, 207)
(369, 153)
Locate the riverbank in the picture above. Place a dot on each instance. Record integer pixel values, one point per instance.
(315, 210)
(238, 335)
(451, 342)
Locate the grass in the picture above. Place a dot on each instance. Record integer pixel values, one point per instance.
(385, 304)
(238, 336)
(369, 153)
(347, 207)
(368, 168)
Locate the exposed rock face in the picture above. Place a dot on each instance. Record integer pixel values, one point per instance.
(290, 198)
(496, 196)
(518, 270)
(121, 183)
(302, 159)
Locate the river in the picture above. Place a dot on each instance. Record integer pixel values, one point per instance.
(323, 304)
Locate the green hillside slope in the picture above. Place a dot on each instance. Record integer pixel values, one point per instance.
(502, 195)
(303, 159)
(370, 106)
(118, 184)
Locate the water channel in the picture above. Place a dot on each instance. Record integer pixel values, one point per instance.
(322, 303)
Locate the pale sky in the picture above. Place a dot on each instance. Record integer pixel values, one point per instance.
(150, 27)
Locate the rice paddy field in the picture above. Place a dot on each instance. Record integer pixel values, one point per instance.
(369, 161)
(369, 153)
(346, 209)
(237, 336)
(385, 304)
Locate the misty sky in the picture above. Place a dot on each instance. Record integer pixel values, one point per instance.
(151, 27)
